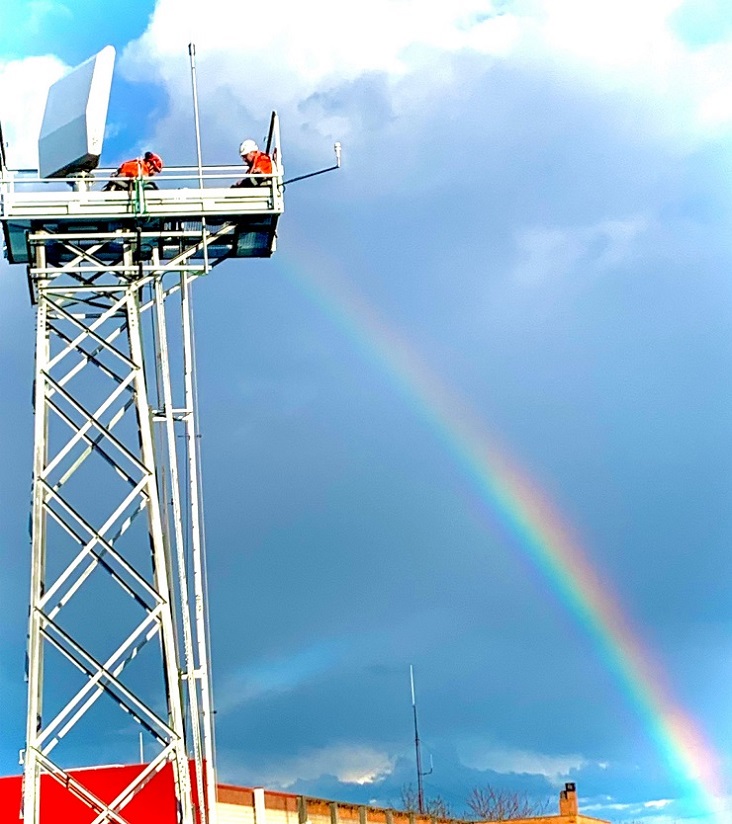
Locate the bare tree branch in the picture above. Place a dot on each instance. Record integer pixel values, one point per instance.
(436, 807)
(491, 804)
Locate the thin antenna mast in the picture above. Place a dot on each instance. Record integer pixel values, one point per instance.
(199, 156)
(337, 150)
(3, 163)
(196, 120)
(417, 746)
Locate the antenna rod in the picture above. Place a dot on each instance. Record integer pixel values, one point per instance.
(197, 122)
(337, 150)
(417, 748)
(3, 164)
(194, 85)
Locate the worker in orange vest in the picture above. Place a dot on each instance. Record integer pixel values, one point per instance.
(124, 177)
(258, 163)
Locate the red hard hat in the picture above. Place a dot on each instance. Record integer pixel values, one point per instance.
(155, 162)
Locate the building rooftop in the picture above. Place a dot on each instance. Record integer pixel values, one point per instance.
(237, 805)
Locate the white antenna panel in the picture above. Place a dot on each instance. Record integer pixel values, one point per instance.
(75, 118)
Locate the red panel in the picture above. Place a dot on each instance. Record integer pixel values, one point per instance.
(155, 804)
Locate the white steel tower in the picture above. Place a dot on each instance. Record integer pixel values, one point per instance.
(117, 640)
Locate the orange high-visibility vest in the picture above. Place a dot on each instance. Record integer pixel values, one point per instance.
(135, 168)
(131, 168)
(261, 165)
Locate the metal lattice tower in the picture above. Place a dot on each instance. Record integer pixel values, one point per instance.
(118, 637)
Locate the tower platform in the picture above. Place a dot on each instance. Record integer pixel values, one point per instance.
(239, 222)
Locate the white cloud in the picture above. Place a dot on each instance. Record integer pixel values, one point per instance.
(634, 46)
(349, 763)
(658, 804)
(621, 34)
(295, 55)
(555, 768)
(550, 252)
(23, 89)
(39, 11)
(608, 804)
(300, 54)
(650, 811)
(311, 40)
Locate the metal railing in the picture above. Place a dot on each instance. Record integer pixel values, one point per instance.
(174, 177)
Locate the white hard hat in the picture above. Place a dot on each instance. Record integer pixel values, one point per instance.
(247, 146)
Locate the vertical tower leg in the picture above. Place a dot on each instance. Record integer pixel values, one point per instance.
(162, 562)
(31, 780)
(203, 681)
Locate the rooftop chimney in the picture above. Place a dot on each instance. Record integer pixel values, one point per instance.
(568, 799)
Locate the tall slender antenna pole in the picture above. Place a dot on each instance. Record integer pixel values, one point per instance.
(194, 85)
(417, 748)
(3, 164)
(197, 123)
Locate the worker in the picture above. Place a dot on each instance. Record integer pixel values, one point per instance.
(258, 163)
(124, 177)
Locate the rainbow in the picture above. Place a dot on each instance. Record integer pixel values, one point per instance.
(531, 519)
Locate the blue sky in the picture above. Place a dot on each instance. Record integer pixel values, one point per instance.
(535, 199)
